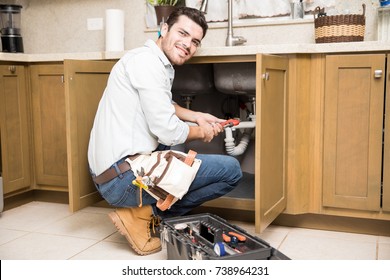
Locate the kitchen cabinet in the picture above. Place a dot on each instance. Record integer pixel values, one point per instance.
(84, 85)
(353, 131)
(14, 125)
(269, 197)
(321, 143)
(271, 132)
(85, 82)
(58, 111)
(49, 130)
(386, 154)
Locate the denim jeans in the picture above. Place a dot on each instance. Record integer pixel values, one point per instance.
(217, 175)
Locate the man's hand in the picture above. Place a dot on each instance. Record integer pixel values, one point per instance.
(210, 125)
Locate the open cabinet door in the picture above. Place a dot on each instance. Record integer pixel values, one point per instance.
(85, 82)
(386, 144)
(270, 158)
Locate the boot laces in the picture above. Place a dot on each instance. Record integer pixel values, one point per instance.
(155, 223)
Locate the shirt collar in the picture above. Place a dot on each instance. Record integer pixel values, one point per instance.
(153, 46)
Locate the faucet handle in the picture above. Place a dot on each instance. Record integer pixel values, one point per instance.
(235, 40)
(241, 40)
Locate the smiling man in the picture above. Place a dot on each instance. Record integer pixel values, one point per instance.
(137, 115)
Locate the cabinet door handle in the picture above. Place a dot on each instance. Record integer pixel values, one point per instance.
(12, 69)
(378, 74)
(266, 76)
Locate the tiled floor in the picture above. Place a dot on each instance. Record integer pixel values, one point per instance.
(48, 231)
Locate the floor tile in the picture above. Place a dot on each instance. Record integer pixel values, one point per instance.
(82, 224)
(38, 246)
(274, 235)
(97, 210)
(115, 251)
(33, 215)
(383, 251)
(7, 235)
(312, 245)
(384, 239)
(116, 237)
(336, 234)
(49, 231)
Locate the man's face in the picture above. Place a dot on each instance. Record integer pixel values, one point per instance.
(180, 43)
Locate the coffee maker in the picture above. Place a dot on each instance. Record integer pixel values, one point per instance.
(11, 40)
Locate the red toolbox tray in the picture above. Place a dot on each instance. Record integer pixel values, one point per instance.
(209, 237)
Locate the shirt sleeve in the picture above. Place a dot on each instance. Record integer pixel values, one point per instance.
(151, 80)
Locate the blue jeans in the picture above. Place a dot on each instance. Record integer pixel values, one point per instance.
(217, 175)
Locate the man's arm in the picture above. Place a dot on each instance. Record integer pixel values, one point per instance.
(208, 125)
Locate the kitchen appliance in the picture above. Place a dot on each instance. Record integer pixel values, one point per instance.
(11, 39)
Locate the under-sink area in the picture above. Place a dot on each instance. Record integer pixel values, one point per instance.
(226, 90)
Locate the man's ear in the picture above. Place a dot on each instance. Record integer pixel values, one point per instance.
(163, 29)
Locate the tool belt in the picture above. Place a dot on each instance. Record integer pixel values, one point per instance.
(165, 175)
(112, 172)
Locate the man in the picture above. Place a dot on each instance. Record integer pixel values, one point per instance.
(136, 115)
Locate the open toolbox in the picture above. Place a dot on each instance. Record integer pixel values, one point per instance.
(209, 237)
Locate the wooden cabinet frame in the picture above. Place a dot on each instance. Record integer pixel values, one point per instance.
(49, 130)
(15, 132)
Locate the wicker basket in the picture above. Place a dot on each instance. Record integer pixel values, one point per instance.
(339, 28)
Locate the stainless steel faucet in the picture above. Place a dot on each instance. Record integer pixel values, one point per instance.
(203, 6)
(231, 40)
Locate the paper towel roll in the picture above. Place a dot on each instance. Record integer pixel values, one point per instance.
(115, 30)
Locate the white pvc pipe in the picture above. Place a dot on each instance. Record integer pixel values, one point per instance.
(248, 124)
(230, 146)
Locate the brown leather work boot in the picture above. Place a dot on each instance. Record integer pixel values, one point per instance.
(134, 224)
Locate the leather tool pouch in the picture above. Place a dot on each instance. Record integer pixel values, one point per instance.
(165, 175)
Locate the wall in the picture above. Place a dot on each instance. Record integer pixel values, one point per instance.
(60, 26)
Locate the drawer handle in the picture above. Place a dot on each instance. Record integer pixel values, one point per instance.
(378, 74)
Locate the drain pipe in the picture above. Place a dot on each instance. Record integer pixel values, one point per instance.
(231, 148)
(248, 127)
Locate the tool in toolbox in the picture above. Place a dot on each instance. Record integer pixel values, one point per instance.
(207, 236)
(232, 236)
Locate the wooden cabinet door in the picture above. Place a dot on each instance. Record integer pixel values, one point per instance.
(48, 106)
(85, 82)
(270, 157)
(353, 124)
(14, 128)
(386, 154)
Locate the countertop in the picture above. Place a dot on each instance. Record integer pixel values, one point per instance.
(367, 46)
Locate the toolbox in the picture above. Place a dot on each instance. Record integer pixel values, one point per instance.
(209, 237)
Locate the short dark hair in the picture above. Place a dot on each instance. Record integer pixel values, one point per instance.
(193, 14)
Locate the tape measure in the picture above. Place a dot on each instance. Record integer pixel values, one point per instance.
(219, 249)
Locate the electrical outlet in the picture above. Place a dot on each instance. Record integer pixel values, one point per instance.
(95, 24)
